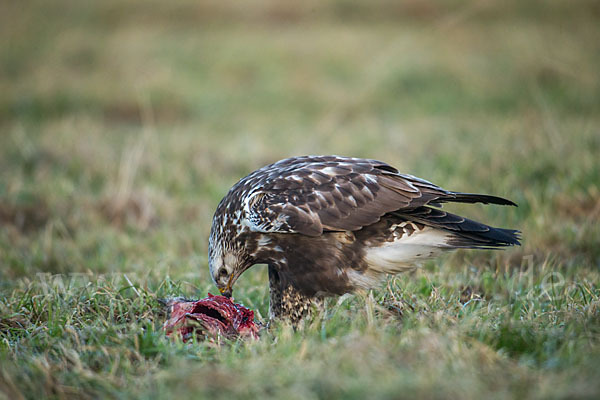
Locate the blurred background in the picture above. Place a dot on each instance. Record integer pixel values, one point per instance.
(123, 123)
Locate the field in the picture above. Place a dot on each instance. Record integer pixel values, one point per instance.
(123, 123)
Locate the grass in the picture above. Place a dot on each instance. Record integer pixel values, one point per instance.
(123, 124)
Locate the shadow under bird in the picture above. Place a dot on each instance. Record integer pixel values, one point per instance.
(328, 225)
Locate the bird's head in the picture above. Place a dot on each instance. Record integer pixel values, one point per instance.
(224, 270)
(227, 260)
(230, 241)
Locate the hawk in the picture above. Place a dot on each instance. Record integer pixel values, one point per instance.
(328, 225)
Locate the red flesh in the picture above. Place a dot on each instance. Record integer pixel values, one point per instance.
(210, 317)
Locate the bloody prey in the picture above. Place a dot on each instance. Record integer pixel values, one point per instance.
(209, 318)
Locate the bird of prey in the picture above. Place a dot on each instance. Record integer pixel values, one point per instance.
(328, 225)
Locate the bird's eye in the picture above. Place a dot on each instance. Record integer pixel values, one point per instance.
(223, 272)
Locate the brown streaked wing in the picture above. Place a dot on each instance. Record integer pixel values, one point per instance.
(335, 194)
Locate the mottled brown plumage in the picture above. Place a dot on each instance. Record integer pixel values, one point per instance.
(328, 225)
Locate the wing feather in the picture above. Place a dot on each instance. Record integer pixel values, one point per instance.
(309, 195)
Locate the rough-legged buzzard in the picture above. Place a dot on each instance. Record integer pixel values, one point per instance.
(328, 225)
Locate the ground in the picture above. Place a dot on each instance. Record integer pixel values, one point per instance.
(122, 124)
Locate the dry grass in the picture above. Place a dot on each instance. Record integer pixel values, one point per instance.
(123, 124)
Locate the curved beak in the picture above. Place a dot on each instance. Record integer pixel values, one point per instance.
(226, 291)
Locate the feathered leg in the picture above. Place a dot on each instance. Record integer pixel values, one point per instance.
(286, 302)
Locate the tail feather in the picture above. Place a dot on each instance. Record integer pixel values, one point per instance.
(466, 233)
(494, 238)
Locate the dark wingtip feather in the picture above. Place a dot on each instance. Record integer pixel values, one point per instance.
(457, 197)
